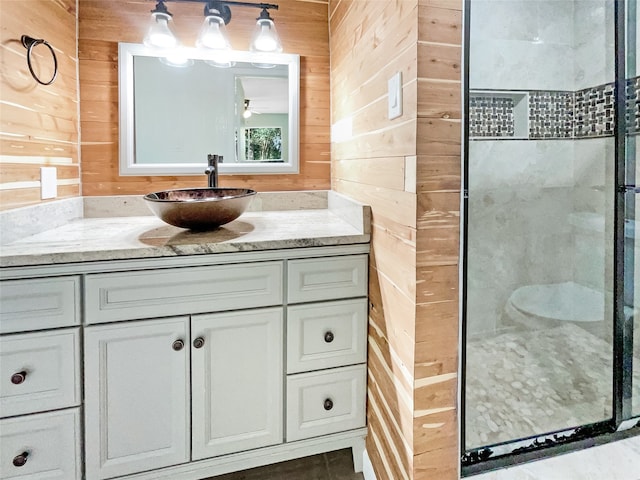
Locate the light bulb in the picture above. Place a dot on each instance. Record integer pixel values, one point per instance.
(177, 58)
(213, 34)
(246, 114)
(265, 37)
(159, 34)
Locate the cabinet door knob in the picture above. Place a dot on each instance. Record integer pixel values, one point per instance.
(178, 345)
(328, 336)
(20, 460)
(198, 342)
(18, 378)
(328, 404)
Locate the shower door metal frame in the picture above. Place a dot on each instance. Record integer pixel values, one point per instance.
(626, 189)
(622, 424)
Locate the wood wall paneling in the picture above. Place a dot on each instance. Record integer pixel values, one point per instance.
(370, 41)
(302, 26)
(38, 123)
(408, 170)
(438, 177)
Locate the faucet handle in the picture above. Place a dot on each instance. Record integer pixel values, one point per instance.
(212, 160)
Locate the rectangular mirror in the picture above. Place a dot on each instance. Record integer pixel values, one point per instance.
(172, 116)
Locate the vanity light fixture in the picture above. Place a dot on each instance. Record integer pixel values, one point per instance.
(265, 36)
(213, 33)
(160, 33)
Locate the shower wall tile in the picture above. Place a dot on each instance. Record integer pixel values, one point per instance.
(594, 111)
(520, 65)
(529, 51)
(520, 194)
(541, 20)
(594, 55)
(491, 116)
(633, 105)
(550, 114)
(521, 164)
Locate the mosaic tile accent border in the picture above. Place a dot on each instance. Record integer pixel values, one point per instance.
(594, 111)
(491, 116)
(633, 106)
(550, 114)
(554, 114)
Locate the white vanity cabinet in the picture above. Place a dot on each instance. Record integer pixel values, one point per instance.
(40, 429)
(196, 366)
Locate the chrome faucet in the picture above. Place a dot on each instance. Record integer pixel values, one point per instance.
(212, 170)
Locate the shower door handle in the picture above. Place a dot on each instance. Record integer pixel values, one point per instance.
(628, 189)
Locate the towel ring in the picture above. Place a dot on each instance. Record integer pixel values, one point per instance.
(29, 43)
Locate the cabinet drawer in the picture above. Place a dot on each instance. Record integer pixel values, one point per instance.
(39, 371)
(36, 304)
(325, 402)
(327, 278)
(323, 335)
(51, 442)
(160, 293)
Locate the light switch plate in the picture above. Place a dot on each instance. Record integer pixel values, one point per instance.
(395, 96)
(48, 182)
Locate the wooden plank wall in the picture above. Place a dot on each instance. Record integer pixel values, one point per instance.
(408, 170)
(38, 124)
(436, 447)
(370, 41)
(302, 25)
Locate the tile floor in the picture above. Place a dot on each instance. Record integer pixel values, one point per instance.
(524, 382)
(336, 465)
(613, 461)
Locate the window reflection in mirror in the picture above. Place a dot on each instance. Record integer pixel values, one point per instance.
(172, 117)
(263, 144)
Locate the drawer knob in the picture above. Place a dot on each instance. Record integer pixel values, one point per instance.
(20, 460)
(178, 345)
(18, 378)
(328, 404)
(198, 342)
(328, 336)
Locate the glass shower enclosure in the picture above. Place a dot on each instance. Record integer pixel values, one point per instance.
(550, 264)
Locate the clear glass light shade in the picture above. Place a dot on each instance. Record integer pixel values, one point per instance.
(265, 37)
(213, 34)
(160, 34)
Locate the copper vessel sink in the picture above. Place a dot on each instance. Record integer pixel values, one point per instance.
(199, 208)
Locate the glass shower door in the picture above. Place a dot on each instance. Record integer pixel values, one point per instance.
(539, 220)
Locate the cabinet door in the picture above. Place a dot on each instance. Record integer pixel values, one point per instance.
(237, 381)
(136, 396)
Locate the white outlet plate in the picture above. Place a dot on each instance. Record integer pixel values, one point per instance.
(395, 96)
(48, 182)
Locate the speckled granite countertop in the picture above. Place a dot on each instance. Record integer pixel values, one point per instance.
(119, 228)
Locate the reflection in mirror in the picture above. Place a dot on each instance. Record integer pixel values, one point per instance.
(171, 117)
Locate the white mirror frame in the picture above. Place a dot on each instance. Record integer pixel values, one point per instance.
(128, 165)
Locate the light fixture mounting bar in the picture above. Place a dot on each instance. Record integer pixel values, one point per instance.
(222, 6)
(263, 6)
